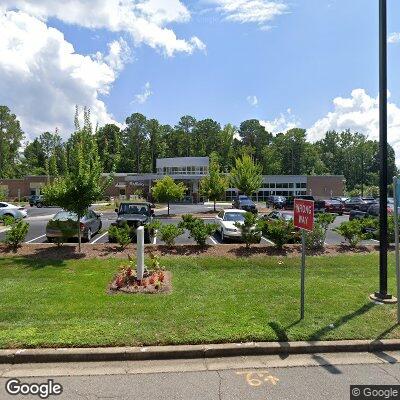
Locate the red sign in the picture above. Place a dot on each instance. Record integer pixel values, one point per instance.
(304, 214)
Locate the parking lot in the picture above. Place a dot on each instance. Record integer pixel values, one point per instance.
(38, 218)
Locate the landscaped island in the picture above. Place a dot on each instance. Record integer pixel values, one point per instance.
(65, 303)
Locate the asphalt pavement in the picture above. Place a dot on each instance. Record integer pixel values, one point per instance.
(279, 377)
(38, 218)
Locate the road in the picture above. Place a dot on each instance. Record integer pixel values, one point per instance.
(38, 218)
(295, 377)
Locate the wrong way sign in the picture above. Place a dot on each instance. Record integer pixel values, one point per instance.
(304, 214)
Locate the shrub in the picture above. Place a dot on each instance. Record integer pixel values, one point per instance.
(7, 220)
(315, 240)
(280, 232)
(121, 234)
(352, 231)
(17, 234)
(169, 233)
(250, 229)
(153, 227)
(198, 229)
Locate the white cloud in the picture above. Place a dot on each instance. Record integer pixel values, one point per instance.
(252, 100)
(251, 11)
(282, 123)
(360, 113)
(141, 98)
(144, 20)
(394, 38)
(42, 78)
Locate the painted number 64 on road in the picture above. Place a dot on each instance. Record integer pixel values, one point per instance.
(304, 214)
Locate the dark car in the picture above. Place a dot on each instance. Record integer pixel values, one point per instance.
(64, 226)
(244, 203)
(372, 212)
(359, 203)
(276, 202)
(36, 200)
(278, 215)
(319, 205)
(135, 215)
(334, 206)
(342, 199)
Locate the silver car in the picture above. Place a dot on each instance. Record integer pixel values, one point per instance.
(64, 225)
(12, 211)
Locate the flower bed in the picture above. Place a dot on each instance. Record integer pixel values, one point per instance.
(155, 280)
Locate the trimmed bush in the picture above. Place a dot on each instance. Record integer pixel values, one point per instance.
(250, 229)
(121, 234)
(280, 232)
(169, 233)
(17, 234)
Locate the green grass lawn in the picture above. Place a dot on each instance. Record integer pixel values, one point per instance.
(50, 303)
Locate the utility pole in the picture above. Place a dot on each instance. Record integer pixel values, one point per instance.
(383, 295)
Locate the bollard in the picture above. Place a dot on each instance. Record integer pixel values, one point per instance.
(140, 252)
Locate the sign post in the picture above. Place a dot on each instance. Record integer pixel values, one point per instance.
(396, 191)
(304, 220)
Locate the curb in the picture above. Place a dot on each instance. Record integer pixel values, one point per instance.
(22, 356)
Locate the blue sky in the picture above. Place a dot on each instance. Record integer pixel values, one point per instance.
(286, 71)
(317, 51)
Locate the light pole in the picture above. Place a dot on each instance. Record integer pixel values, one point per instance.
(383, 295)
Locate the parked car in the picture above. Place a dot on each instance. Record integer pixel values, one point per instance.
(37, 200)
(359, 203)
(244, 203)
(12, 211)
(64, 225)
(135, 215)
(226, 220)
(276, 202)
(342, 199)
(319, 205)
(372, 211)
(334, 206)
(278, 215)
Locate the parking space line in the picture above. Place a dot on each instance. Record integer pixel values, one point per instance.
(100, 237)
(213, 240)
(33, 240)
(268, 241)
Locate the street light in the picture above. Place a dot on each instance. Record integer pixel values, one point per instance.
(383, 295)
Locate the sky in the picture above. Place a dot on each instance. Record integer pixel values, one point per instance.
(289, 63)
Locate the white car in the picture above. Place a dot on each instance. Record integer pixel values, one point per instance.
(10, 210)
(226, 220)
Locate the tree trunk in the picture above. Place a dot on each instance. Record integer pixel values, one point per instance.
(168, 208)
(215, 203)
(79, 234)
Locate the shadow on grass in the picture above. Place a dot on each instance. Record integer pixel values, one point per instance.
(318, 335)
(36, 264)
(384, 333)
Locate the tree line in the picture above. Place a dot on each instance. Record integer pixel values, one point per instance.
(135, 148)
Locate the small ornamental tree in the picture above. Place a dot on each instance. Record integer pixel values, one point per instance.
(250, 229)
(82, 184)
(167, 190)
(215, 184)
(246, 175)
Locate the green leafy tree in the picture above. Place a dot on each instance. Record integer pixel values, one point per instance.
(11, 136)
(83, 183)
(214, 185)
(246, 175)
(250, 229)
(167, 190)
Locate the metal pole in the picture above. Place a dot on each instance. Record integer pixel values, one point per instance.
(396, 235)
(383, 285)
(303, 270)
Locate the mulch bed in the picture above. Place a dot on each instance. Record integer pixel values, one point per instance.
(70, 251)
(165, 286)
